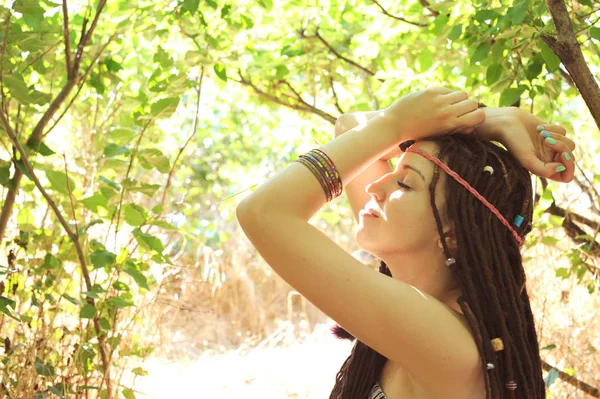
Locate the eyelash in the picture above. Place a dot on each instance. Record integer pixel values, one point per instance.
(407, 188)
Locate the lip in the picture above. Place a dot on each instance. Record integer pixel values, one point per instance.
(369, 212)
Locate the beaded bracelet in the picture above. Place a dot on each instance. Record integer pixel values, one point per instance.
(323, 168)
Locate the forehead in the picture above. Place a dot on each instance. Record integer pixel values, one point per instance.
(417, 160)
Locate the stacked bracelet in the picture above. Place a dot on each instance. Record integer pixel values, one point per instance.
(324, 170)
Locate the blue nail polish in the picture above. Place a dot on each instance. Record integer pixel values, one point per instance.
(567, 156)
(540, 128)
(560, 168)
(546, 134)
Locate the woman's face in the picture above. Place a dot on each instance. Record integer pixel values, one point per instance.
(406, 223)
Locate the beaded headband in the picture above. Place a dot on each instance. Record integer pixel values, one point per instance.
(518, 218)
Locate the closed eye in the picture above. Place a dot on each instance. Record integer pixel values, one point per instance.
(404, 186)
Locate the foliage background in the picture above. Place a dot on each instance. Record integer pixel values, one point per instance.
(129, 129)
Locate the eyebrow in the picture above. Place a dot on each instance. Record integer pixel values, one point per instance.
(404, 166)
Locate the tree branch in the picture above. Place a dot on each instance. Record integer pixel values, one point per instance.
(399, 18)
(590, 390)
(348, 60)
(308, 108)
(337, 102)
(67, 39)
(566, 47)
(426, 5)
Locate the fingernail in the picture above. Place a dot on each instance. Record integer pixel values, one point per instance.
(560, 168)
(546, 134)
(567, 156)
(540, 128)
(550, 140)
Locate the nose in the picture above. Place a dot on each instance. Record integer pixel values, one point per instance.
(376, 188)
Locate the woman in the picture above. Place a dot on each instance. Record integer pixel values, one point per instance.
(454, 320)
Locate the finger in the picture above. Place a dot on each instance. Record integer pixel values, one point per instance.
(463, 107)
(441, 90)
(456, 96)
(553, 128)
(539, 168)
(471, 119)
(566, 157)
(558, 137)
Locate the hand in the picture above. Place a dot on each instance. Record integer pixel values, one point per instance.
(518, 131)
(434, 111)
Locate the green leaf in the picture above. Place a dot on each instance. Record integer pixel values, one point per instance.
(213, 4)
(120, 286)
(139, 371)
(225, 10)
(533, 69)
(165, 107)
(220, 71)
(21, 166)
(481, 53)
(549, 240)
(191, 5)
(163, 224)
(88, 311)
(39, 147)
(128, 394)
(154, 158)
(7, 306)
(146, 189)
(266, 4)
(595, 33)
(135, 215)
(104, 323)
(248, 22)
(510, 96)
(112, 150)
(493, 73)
(74, 301)
(548, 347)
(42, 368)
(148, 241)
(137, 276)
(551, 59)
(486, 15)
(4, 174)
(60, 390)
(58, 180)
(93, 202)
(455, 33)
(112, 65)
(102, 258)
(122, 135)
(119, 302)
(519, 12)
(17, 88)
(115, 186)
(29, 8)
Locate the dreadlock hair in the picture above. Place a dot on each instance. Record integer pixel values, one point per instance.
(488, 268)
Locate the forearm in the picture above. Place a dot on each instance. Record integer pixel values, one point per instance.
(349, 121)
(295, 190)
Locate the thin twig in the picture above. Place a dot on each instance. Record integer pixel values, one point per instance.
(67, 39)
(194, 129)
(71, 196)
(397, 17)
